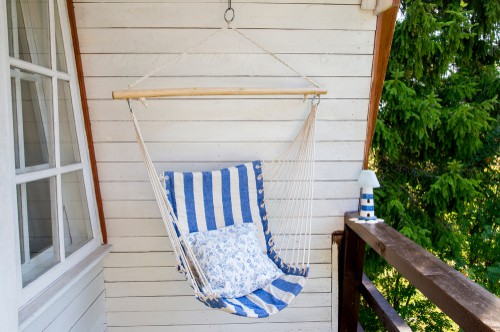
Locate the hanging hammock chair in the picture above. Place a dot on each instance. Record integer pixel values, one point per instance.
(201, 202)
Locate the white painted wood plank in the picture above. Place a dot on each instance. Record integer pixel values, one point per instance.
(180, 288)
(325, 2)
(117, 191)
(203, 15)
(100, 324)
(155, 227)
(93, 319)
(163, 273)
(133, 225)
(162, 243)
(338, 87)
(64, 301)
(275, 327)
(149, 209)
(151, 259)
(189, 303)
(215, 317)
(72, 313)
(222, 151)
(383, 5)
(143, 41)
(241, 327)
(215, 65)
(229, 109)
(135, 171)
(211, 131)
(368, 4)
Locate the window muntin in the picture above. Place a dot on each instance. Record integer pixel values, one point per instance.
(57, 220)
(33, 120)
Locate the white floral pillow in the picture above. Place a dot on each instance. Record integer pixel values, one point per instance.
(232, 260)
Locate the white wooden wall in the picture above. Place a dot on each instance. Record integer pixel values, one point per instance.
(80, 309)
(331, 41)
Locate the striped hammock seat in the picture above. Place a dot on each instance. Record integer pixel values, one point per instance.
(186, 202)
(206, 201)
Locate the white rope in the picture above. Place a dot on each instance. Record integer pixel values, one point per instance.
(291, 189)
(171, 61)
(204, 40)
(182, 251)
(277, 58)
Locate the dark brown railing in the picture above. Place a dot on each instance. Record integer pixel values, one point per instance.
(469, 305)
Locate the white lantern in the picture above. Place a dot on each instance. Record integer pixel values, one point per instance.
(367, 180)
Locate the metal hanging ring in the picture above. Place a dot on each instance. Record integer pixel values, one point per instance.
(130, 106)
(316, 100)
(228, 18)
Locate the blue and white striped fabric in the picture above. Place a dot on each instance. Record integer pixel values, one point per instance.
(204, 201)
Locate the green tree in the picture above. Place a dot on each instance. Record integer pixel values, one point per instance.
(436, 148)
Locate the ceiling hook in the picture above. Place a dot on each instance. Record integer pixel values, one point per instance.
(229, 14)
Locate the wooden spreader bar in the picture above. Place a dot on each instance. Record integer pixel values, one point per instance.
(192, 92)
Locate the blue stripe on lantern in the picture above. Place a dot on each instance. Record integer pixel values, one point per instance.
(367, 196)
(367, 208)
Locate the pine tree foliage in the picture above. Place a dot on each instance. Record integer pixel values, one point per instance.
(436, 147)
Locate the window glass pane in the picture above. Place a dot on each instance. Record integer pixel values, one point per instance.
(37, 219)
(76, 218)
(70, 154)
(9, 27)
(33, 120)
(29, 31)
(60, 56)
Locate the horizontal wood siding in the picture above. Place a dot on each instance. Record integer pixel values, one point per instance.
(332, 42)
(80, 308)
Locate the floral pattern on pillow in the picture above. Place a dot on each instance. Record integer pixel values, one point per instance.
(232, 260)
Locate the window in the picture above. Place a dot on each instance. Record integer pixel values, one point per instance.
(56, 214)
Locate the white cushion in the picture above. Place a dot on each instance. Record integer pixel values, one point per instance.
(232, 260)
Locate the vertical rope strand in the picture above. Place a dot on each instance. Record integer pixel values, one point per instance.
(291, 194)
(183, 252)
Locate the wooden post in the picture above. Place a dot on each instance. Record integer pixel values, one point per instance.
(352, 257)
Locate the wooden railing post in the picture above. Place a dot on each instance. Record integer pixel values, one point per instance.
(351, 272)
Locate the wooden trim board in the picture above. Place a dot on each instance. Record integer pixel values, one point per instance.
(386, 22)
(86, 118)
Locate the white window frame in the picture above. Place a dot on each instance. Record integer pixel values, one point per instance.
(36, 287)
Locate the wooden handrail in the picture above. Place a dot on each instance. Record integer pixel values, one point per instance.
(471, 306)
(191, 92)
